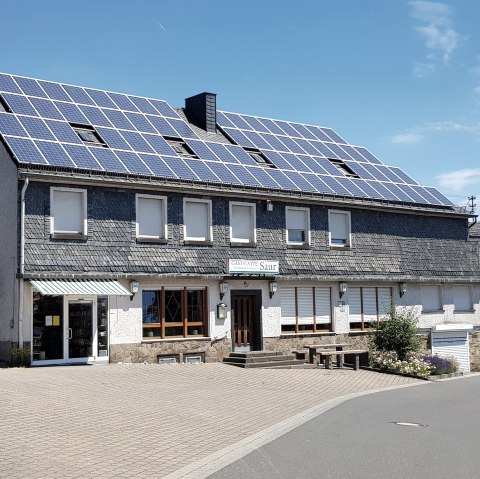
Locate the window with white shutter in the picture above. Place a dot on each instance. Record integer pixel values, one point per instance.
(68, 211)
(305, 309)
(323, 309)
(151, 217)
(298, 225)
(367, 306)
(242, 222)
(431, 298)
(339, 228)
(462, 298)
(197, 220)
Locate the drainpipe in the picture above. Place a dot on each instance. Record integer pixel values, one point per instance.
(22, 263)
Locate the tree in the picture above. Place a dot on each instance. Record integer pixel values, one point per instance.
(398, 332)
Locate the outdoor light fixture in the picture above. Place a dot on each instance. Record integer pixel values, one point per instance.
(269, 205)
(222, 311)
(342, 288)
(402, 288)
(134, 286)
(272, 287)
(223, 288)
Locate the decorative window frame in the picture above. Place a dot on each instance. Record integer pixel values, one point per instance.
(148, 238)
(307, 241)
(68, 234)
(195, 240)
(348, 244)
(253, 224)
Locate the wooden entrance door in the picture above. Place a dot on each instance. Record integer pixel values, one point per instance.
(246, 322)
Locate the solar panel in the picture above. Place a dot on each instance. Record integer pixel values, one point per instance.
(353, 153)
(352, 188)
(19, 104)
(331, 134)
(241, 155)
(317, 183)
(113, 138)
(183, 130)
(334, 185)
(398, 192)
(71, 112)
(100, 98)
(30, 87)
(202, 170)
(107, 159)
(277, 160)
(134, 163)
(63, 131)
(244, 175)
(159, 144)
(238, 121)
(162, 126)
(306, 146)
(54, 91)
(46, 108)
(201, 150)
(224, 174)
(368, 156)
(9, 125)
(95, 116)
(359, 170)
(403, 176)
(36, 128)
(275, 143)
(263, 177)
(25, 150)
(223, 120)
(54, 153)
(286, 128)
(299, 181)
(118, 119)
(164, 109)
(222, 153)
(136, 141)
(417, 197)
(324, 150)
(386, 193)
(7, 84)
(368, 189)
(180, 168)
(292, 145)
(78, 95)
(143, 105)
(123, 102)
(82, 157)
(272, 127)
(257, 140)
(317, 133)
(140, 122)
(158, 166)
(316, 166)
(339, 153)
(303, 132)
(255, 124)
(374, 172)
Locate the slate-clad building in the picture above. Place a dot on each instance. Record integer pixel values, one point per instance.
(134, 231)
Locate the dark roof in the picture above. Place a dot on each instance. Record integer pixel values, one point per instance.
(134, 136)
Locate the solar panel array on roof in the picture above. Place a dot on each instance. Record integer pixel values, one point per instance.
(40, 129)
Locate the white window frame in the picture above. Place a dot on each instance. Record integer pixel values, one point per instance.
(163, 200)
(307, 225)
(55, 232)
(348, 243)
(209, 219)
(253, 222)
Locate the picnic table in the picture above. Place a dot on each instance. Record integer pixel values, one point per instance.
(313, 348)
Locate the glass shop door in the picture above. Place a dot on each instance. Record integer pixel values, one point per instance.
(80, 330)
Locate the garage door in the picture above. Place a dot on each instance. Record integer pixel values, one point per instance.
(452, 343)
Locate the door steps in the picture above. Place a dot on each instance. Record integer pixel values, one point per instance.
(263, 359)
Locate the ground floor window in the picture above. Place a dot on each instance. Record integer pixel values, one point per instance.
(174, 313)
(306, 310)
(367, 306)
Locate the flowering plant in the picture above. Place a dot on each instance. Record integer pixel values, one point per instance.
(388, 361)
(441, 365)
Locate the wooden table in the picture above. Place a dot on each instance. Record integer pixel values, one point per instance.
(312, 349)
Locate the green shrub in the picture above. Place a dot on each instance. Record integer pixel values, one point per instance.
(397, 332)
(20, 357)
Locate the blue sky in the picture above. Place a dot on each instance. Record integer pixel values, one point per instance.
(401, 78)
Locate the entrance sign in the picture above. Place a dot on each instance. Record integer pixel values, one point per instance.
(253, 266)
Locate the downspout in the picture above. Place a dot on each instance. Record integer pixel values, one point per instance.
(22, 263)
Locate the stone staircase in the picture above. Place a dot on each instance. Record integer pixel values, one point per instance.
(263, 359)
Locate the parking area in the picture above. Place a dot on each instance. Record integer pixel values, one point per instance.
(145, 421)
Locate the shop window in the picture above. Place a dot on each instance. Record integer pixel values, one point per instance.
(242, 223)
(462, 298)
(298, 225)
(151, 224)
(174, 313)
(306, 310)
(197, 219)
(68, 212)
(339, 229)
(431, 298)
(367, 306)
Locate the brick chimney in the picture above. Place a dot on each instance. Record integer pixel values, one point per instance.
(201, 110)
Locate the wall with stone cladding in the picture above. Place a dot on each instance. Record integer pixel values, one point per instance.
(475, 351)
(383, 243)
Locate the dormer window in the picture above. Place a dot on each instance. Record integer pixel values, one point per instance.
(3, 106)
(88, 135)
(181, 148)
(260, 159)
(343, 168)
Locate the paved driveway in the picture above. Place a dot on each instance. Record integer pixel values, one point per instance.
(149, 421)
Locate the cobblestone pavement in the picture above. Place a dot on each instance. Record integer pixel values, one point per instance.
(147, 421)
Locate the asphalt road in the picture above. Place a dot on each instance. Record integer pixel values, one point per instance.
(359, 438)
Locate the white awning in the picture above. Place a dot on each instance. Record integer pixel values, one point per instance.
(79, 287)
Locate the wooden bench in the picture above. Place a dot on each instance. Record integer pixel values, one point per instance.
(340, 355)
(313, 348)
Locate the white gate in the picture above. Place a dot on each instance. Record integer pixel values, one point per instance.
(452, 343)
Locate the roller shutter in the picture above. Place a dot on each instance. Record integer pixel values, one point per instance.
(452, 343)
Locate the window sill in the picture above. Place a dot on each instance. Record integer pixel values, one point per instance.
(67, 236)
(298, 246)
(306, 335)
(239, 244)
(463, 311)
(433, 311)
(176, 340)
(197, 243)
(144, 239)
(339, 248)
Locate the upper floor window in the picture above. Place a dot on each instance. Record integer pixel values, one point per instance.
(298, 225)
(197, 220)
(431, 298)
(462, 298)
(68, 211)
(151, 217)
(242, 223)
(339, 228)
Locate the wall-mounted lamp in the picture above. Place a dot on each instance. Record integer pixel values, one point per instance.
(403, 288)
(342, 288)
(272, 288)
(269, 205)
(223, 288)
(134, 285)
(222, 311)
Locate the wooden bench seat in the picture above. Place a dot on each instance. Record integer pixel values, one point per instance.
(340, 355)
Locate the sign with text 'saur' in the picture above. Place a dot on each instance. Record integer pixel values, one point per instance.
(252, 266)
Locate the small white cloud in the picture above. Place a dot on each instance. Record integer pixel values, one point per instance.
(457, 180)
(435, 27)
(406, 138)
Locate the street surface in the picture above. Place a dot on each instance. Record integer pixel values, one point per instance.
(358, 439)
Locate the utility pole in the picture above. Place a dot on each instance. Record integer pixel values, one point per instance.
(471, 204)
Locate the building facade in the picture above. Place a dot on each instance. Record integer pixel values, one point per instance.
(103, 261)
